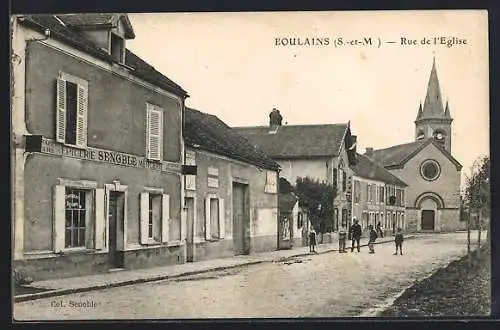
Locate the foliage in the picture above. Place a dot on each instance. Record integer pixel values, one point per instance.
(317, 197)
(477, 186)
(285, 187)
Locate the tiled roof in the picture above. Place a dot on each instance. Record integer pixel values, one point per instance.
(297, 141)
(95, 20)
(87, 19)
(398, 155)
(209, 133)
(76, 39)
(367, 168)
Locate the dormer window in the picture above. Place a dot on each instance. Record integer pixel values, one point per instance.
(117, 48)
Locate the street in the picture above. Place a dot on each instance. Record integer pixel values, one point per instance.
(325, 285)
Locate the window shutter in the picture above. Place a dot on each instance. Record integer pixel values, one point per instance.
(59, 218)
(207, 218)
(144, 216)
(61, 110)
(165, 215)
(99, 219)
(222, 218)
(154, 132)
(81, 117)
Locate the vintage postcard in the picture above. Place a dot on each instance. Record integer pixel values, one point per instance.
(250, 165)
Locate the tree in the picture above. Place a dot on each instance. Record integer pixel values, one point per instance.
(317, 197)
(477, 192)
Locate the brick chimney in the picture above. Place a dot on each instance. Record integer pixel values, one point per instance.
(275, 120)
(369, 151)
(354, 139)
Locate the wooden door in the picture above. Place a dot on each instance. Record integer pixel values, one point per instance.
(240, 220)
(189, 204)
(428, 219)
(116, 223)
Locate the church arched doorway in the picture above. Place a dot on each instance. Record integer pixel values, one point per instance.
(428, 214)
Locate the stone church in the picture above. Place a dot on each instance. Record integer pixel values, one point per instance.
(427, 166)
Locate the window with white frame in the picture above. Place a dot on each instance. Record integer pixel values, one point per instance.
(214, 218)
(368, 193)
(78, 215)
(71, 112)
(154, 132)
(357, 191)
(76, 212)
(381, 194)
(381, 217)
(271, 182)
(155, 216)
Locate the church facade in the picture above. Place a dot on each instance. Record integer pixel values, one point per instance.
(427, 166)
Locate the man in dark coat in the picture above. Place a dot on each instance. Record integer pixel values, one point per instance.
(355, 234)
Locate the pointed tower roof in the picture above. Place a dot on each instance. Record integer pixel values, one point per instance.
(419, 114)
(433, 105)
(447, 111)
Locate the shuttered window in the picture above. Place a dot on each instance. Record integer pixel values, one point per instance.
(154, 132)
(215, 221)
(154, 217)
(71, 110)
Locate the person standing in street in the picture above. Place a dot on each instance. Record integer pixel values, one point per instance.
(398, 239)
(371, 240)
(355, 234)
(342, 239)
(379, 230)
(312, 241)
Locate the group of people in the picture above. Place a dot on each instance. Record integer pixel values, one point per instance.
(354, 235)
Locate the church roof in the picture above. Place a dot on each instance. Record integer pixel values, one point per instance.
(396, 156)
(207, 132)
(367, 168)
(433, 104)
(297, 141)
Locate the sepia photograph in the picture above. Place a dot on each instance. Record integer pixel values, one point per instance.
(233, 165)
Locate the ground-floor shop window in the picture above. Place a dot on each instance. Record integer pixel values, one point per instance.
(75, 210)
(75, 216)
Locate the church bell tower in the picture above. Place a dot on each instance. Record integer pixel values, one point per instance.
(434, 121)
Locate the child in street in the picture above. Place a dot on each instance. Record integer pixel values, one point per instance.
(342, 239)
(312, 240)
(371, 241)
(398, 239)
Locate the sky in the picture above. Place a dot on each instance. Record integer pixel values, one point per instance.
(235, 66)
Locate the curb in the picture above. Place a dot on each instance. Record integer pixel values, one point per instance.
(60, 292)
